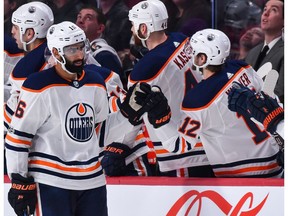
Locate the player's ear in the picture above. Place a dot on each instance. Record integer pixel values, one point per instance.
(56, 54)
(202, 58)
(29, 34)
(143, 29)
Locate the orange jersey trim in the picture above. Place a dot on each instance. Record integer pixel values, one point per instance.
(166, 63)
(14, 55)
(57, 85)
(62, 168)
(246, 170)
(18, 141)
(219, 93)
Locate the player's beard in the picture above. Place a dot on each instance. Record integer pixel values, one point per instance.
(73, 68)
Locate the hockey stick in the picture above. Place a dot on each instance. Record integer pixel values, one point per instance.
(264, 69)
(270, 83)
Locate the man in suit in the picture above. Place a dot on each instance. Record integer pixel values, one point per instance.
(272, 23)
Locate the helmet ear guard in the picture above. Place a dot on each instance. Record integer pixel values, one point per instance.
(35, 15)
(213, 43)
(152, 13)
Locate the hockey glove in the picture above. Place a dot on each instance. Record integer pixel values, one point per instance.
(113, 161)
(22, 195)
(265, 110)
(138, 51)
(129, 108)
(237, 98)
(155, 103)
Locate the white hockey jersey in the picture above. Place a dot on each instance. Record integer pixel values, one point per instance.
(33, 61)
(52, 134)
(169, 66)
(235, 145)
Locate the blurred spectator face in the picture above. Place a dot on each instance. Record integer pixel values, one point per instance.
(252, 37)
(272, 19)
(9, 7)
(87, 21)
(179, 2)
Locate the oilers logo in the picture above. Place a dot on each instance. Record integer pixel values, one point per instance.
(79, 122)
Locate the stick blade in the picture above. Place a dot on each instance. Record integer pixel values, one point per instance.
(270, 82)
(264, 69)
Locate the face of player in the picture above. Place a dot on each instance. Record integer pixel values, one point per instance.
(74, 56)
(15, 31)
(252, 37)
(272, 19)
(87, 21)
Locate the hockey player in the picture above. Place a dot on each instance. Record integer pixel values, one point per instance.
(235, 145)
(52, 146)
(167, 64)
(30, 24)
(263, 108)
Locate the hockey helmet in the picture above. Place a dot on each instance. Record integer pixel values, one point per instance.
(213, 43)
(35, 15)
(64, 34)
(153, 13)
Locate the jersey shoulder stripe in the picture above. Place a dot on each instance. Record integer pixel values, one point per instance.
(10, 46)
(102, 71)
(33, 62)
(152, 63)
(203, 94)
(49, 78)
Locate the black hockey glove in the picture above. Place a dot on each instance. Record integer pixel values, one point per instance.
(155, 103)
(266, 110)
(129, 108)
(113, 161)
(22, 195)
(138, 51)
(237, 98)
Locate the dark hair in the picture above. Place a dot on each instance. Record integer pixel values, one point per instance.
(99, 14)
(215, 68)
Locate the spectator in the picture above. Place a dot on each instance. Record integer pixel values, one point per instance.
(272, 24)
(117, 31)
(251, 38)
(235, 23)
(188, 16)
(235, 145)
(66, 10)
(92, 21)
(9, 7)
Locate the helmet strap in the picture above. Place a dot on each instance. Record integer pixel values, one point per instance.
(27, 43)
(143, 40)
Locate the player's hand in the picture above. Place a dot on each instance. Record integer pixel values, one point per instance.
(155, 103)
(129, 108)
(237, 98)
(266, 110)
(113, 161)
(22, 195)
